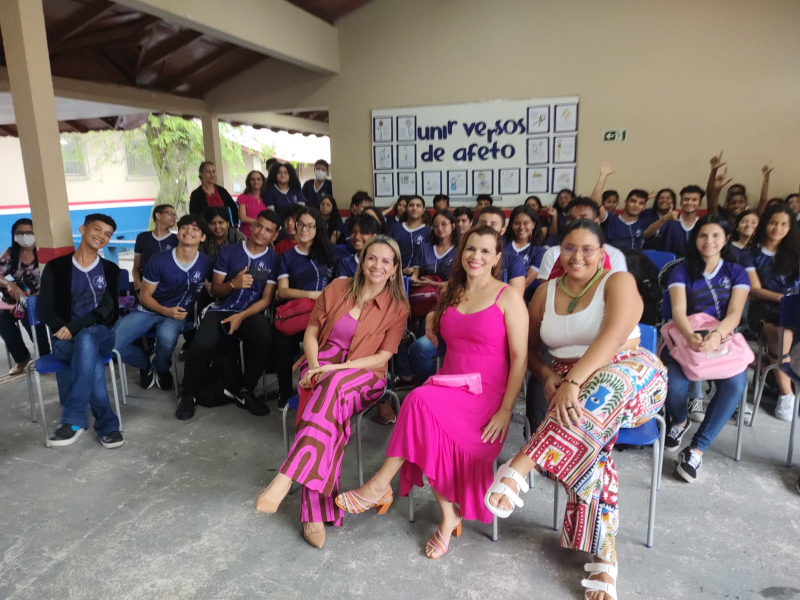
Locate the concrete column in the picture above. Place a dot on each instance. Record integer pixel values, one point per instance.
(212, 146)
(25, 44)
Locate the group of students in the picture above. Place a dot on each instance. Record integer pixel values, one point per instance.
(578, 336)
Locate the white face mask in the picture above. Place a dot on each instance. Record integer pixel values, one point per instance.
(320, 175)
(26, 240)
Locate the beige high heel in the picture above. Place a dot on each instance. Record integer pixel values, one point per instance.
(315, 538)
(266, 505)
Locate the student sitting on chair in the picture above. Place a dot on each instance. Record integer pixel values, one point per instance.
(244, 281)
(172, 282)
(78, 302)
(411, 234)
(149, 243)
(362, 229)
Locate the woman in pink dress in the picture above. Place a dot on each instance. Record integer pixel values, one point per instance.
(450, 434)
(250, 202)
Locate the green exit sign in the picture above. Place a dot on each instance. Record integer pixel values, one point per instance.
(614, 135)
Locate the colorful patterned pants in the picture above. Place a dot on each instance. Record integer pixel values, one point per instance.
(625, 393)
(315, 459)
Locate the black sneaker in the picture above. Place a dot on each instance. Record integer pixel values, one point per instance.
(690, 464)
(675, 435)
(147, 378)
(164, 380)
(65, 435)
(112, 440)
(247, 400)
(282, 403)
(185, 408)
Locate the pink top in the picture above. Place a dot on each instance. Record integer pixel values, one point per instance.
(343, 331)
(253, 205)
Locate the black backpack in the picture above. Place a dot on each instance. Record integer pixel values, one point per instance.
(646, 275)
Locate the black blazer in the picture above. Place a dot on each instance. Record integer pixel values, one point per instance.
(55, 302)
(198, 203)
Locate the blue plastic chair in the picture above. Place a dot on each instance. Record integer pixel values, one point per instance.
(659, 258)
(48, 364)
(652, 433)
(788, 318)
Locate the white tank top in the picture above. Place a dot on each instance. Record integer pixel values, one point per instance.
(569, 336)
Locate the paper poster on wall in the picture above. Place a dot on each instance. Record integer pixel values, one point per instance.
(384, 185)
(538, 151)
(563, 178)
(509, 181)
(478, 148)
(564, 148)
(538, 119)
(382, 129)
(482, 181)
(382, 158)
(566, 117)
(431, 183)
(406, 156)
(406, 129)
(407, 183)
(457, 183)
(538, 178)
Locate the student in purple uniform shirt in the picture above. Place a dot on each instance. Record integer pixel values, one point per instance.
(244, 282)
(283, 188)
(334, 226)
(437, 254)
(675, 229)
(304, 272)
(522, 238)
(314, 190)
(149, 243)
(396, 213)
(173, 280)
(363, 229)
(772, 261)
(411, 234)
(513, 269)
(358, 203)
(78, 302)
(563, 199)
(707, 281)
(746, 225)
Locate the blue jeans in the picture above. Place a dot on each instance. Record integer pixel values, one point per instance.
(722, 406)
(422, 355)
(85, 381)
(135, 326)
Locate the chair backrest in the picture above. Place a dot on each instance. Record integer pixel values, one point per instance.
(659, 258)
(124, 281)
(790, 311)
(648, 337)
(30, 307)
(407, 284)
(666, 307)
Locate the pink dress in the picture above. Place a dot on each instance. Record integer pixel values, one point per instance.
(253, 205)
(439, 429)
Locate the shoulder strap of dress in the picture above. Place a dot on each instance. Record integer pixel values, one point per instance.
(503, 289)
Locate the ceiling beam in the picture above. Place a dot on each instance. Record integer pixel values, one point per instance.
(77, 126)
(272, 120)
(195, 69)
(8, 131)
(167, 49)
(274, 28)
(79, 21)
(138, 29)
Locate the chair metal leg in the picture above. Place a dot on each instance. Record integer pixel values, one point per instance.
(358, 448)
(526, 428)
(114, 387)
(29, 377)
(740, 424)
(653, 493)
(123, 375)
(555, 505)
(41, 407)
(494, 517)
(411, 505)
(792, 430)
(662, 438)
(762, 382)
(175, 381)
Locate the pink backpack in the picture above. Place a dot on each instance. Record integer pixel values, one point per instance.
(731, 358)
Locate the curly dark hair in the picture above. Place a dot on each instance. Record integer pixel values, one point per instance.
(787, 257)
(272, 178)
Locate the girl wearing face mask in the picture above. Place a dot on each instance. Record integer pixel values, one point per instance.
(746, 224)
(19, 278)
(314, 190)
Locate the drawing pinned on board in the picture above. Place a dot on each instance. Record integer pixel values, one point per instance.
(564, 148)
(509, 181)
(482, 181)
(382, 129)
(407, 183)
(566, 117)
(538, 119)
(384, 185)
(538, 151)
(537, 180)
(406, 156)
(382, 157)
(563, 178)
(431, 183)
(457, 183)
(406, 129)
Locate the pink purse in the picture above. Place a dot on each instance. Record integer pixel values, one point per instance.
(732, 357)
(470, 382)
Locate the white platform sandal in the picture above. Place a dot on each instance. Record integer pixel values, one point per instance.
(498, 487)
(592, 585)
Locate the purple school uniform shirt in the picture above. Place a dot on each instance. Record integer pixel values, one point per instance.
(303, 272)
(177, 284)
(621, 234)
(88, 287)
(431, 263)
(530, 255)
(711, 293)
(280, 202)
(147, 245)
(409, 241)
(263, 267)
(763, 263)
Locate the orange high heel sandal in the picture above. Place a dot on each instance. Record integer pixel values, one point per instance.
(356, 504)
(438, 544)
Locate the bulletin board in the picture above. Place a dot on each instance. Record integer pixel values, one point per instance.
(509, 149)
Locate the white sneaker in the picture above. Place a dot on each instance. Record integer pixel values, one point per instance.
(785, 408)
(697, 412)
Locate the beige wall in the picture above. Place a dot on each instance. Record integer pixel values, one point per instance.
(685, 78)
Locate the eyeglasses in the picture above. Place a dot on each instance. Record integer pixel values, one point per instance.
(171, 214)
(586, 251)
(300, 226)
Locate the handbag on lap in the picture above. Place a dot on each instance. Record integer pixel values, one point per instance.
(422, 299)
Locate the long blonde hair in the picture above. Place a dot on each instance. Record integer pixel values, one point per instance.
(456, 285)
(397, 288)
